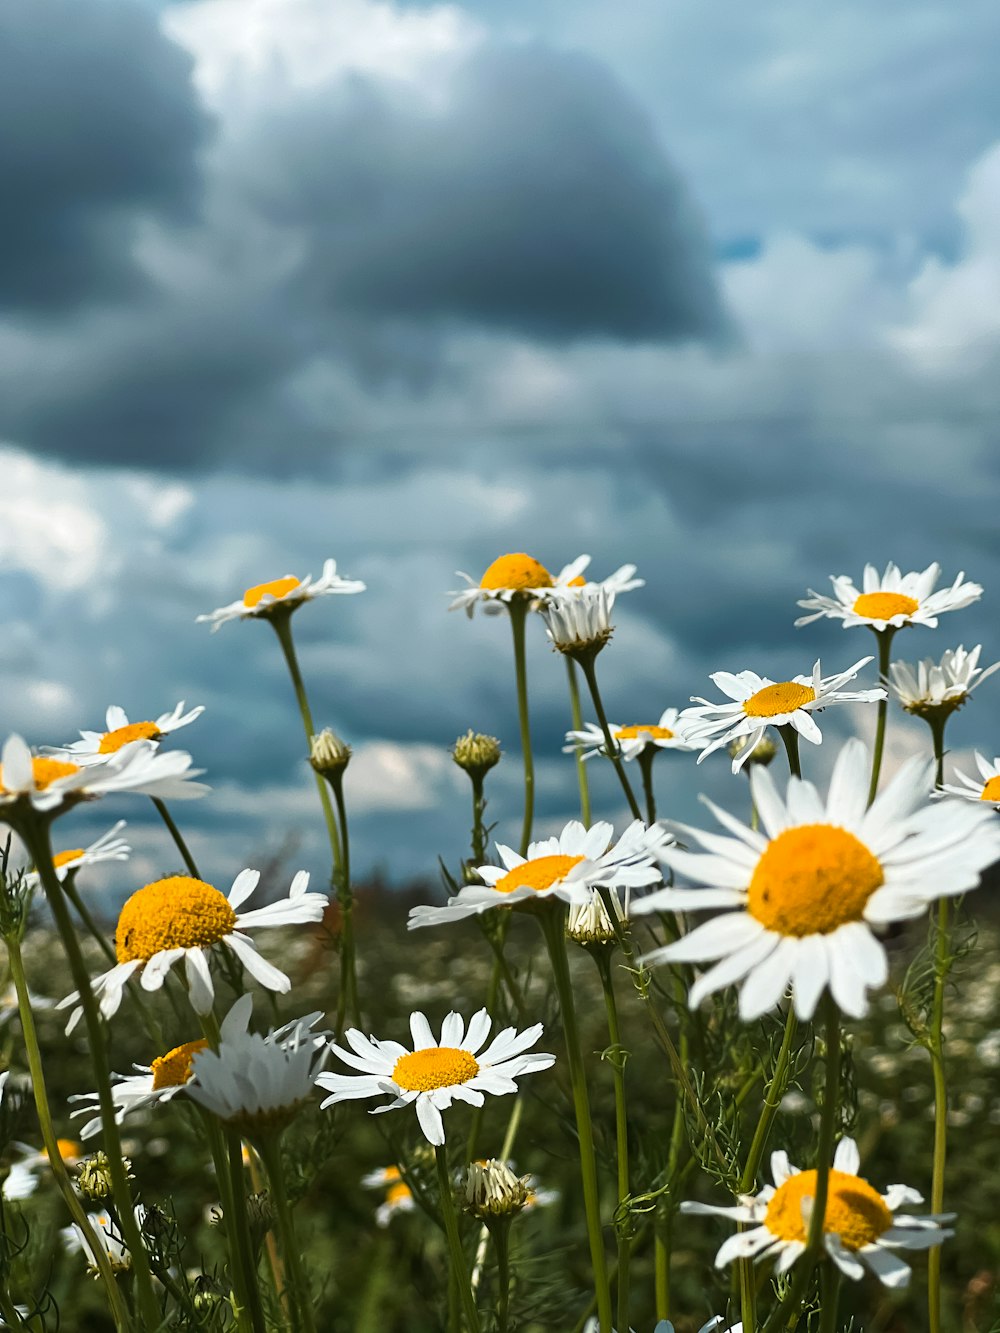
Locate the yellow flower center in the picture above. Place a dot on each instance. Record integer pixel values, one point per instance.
(174, 1069)
(135, 731)
(812, 879)
(397, 1194)
(46, 771)
(435, 1067)
(773, 700)
(173, 913)
(885, 605)
(516, 571)
(69, 1150)
(539, 874)
(854, 1211)
(578, 582)
(633, 733)
(61, 858)
(276, 588)
(991, 792)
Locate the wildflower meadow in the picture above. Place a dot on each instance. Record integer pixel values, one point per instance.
(633, 1075)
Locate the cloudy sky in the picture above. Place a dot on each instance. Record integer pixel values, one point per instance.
(707, 286)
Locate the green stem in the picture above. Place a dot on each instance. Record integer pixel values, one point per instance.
(223, 1176)
(240, 1224)
(501, 1241)
(175, 833)
(661, 1267)
(298, 1287)
(478, 822)
(94, 930)
(647, 757)
(552, 927)
(610, 744)
(581, 764)
(617, 1056)
(791, 739)
(349, 1004)
(829, 1298)
(884, 638)
(459, 1267)
(518, 617)
(942, 966)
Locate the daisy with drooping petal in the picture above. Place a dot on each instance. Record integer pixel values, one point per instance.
(168, 1075)
(759, 703)
(509, 577)
(934, 689)
(567, 867)
(579, 623)
(182, 918)
(861, 1228)
(434, 1074)
(107, 1234)
(94, 746)
(809, 887)
(282, 595)
(108, 847)
(889, 600)
(669, 733)
(571, 577)
(984, 788)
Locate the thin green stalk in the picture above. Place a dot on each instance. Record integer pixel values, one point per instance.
(942, 966)
(610, 744)
(581, 765)
(501, 1241)
(647, 757)
(478, 821)
(175, 833)
(33, 1052)
(518, 617)
(237, 1266)
(83, 912)
(298, 1287)
(884, 638)
(459, 1267)
(791, 739)
(662, 1244)
(552, 927)
(829, 1298)
(617, 1056)
(349, 1003)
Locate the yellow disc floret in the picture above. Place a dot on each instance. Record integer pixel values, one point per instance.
(63, 858)
(641, 729)
(174, 913)
(539, 874)
(398, 1194)
(174, 1069)
(277, 588)
(812, 879)
(854, 1211)
(991, 792)
(435, 1067)
(135, 731)
(774, 700)
(69, 1150)
(516, 571)
(46, 771)
(885, 605)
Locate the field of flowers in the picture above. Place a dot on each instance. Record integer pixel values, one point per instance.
(741, 1076)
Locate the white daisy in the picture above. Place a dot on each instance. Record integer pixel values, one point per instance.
(716, 1325)
(168, 1075)
(984, 788)
(571, 577)
(860, 1228)
(889, 600)
(55, 784)
(932, 687)
(669, 733)
(592, 923)
(809, 887)
(759, 703)
(284, 594)
(567, 867)
(20, 1181)
(108, 847)
(579, 622)
(509, 576)
(434, 1074)
(94, 746)
(398, 1195)
(107, 1234)
(182, 918)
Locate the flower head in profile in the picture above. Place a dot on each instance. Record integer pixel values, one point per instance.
(934, 689)
(182, 918)
(567, 868)
(492, 1189)
(669, 733)
(95, 746)
(168, 1075)
(509, 577)
(108, 847)
(715, 1325)
(398, 1195)
(759, 703)
(106, 1233)
(282, 596)
(890, 600)
(861, 1228)
(984, 788)
(571, 578)
(808, 889)
(579, 624)
(461, 1067)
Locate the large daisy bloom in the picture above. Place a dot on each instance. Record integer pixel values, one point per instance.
(759, 703)
(933, 688)
(182, 918)
(161, 1081)
(861, 1228)
(284, 594)
(669, 733)
(94, 746)
(809, 889)
(889, 600)
(509, 576)
(108, 847)
(572, 577)
(568, 867)
(984, 788)
(56, 784)
(434, 1074)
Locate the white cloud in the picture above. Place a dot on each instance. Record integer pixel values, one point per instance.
(49, 526)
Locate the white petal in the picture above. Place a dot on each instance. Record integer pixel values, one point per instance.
(430, 1121)
(847, 1158)
(887, 1267)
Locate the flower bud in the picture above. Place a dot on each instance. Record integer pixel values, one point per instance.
(476, 753)
(591, 923)
(328, 754)
(492, 1189)
(763, 752)
(94, 1177)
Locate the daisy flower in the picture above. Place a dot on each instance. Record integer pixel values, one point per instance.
(579, 623)
(891, 600)
(107, 1234)
(571, 577)
(509, 576)
(984, 788)
(665, 1326)
(284, 594)
(861, 1228)
(182, 918)
(168, 1075)
(811, 885)
(19, 1183)
(668, 734)
(592, 923)
(55, 784)
(108, 847)
(398, 1195)
(934, 688)
(94, 746)
(567, 867)
(759, 703)
(434, 1074)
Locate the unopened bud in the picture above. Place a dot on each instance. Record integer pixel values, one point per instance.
(476, 753)
(260, 1215)
(492, 1189)
(328, 754)
(591, 923)
(763, 752)
(94, 1177)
